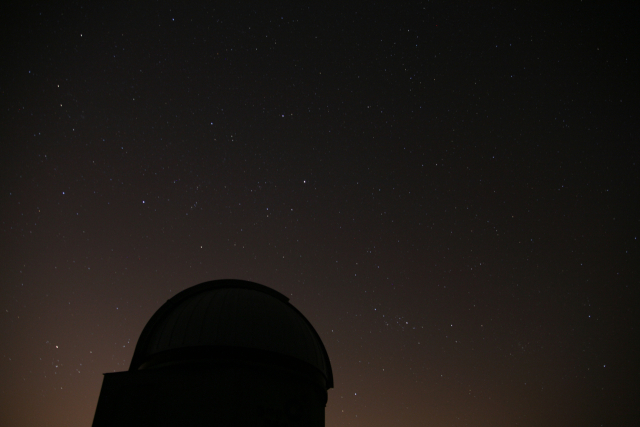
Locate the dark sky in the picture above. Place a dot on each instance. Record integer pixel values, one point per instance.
(446, 190)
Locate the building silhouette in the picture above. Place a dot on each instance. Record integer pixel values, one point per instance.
(221, 353)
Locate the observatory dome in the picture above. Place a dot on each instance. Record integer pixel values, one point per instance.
(231, 319)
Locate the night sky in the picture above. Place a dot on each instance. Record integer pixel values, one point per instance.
(448, 191)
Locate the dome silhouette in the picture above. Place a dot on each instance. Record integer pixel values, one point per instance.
(230, 318)
(226, 352)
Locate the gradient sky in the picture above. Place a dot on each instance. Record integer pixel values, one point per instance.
(444, 189)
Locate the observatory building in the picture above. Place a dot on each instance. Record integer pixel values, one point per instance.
(221, 353)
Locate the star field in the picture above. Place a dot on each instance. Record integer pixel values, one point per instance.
(445, 191)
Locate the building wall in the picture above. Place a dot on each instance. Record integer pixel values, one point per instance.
(226, 394)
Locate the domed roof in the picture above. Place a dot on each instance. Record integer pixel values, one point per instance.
(231, 317)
